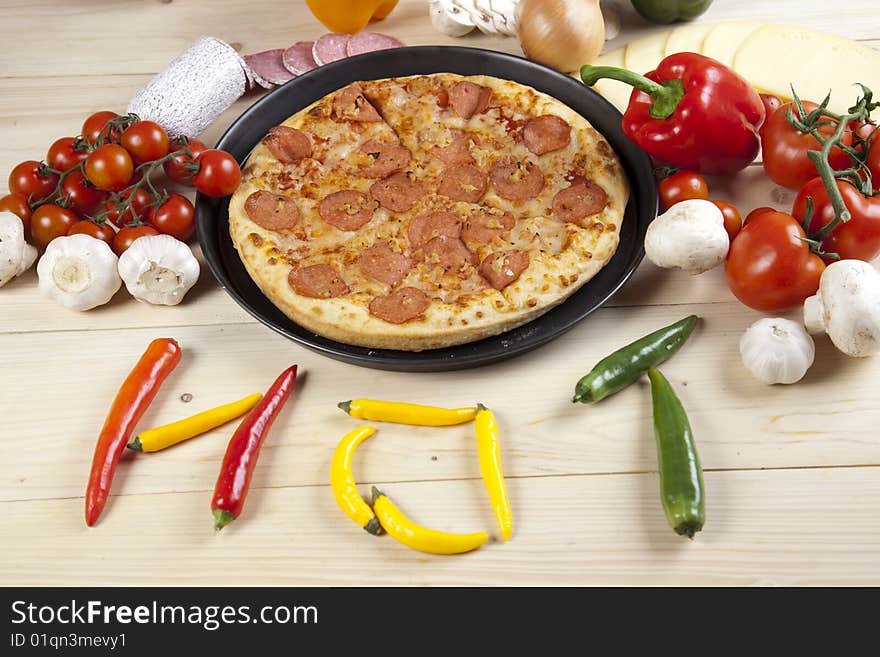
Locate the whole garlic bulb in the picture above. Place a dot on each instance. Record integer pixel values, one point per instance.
(777, 350)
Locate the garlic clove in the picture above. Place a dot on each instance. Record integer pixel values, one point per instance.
(777, 350)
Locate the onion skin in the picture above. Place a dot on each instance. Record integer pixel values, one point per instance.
(562, 34)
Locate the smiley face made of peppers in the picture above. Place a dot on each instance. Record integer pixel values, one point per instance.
(382, 513)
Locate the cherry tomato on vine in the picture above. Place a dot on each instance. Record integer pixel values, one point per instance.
(219, 173)
(93, 126)
(103, 232)
(63, 155)
(175, 217)
(732, 219)
(681, 186)
(756, 212)
(769, 267)
(17, 205)
(135, 213)
(109, 167)
(145, 141)
(785, 149)
(81, 197)
(182, 168)
(50, 221)
(871, 133)
(125, 237)
(771, 104)
(25, 179)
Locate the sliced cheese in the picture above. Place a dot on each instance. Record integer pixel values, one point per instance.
(774, 57)
(687, 38)
(642, 56)
(723, 40)
(616, 93)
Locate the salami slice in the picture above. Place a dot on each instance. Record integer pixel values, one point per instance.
(545, 134)
(468, 99)
(462, 182)
(383, 264)
(502, 269)
(317, 282)
(402, 305)
(516, 180)
(330, 48)
(369, 42)
(448, 252)
(347, 209)
(298, 58)
(483, 226)
(458, 151)
(350, 104)
(384, 158)
(268, 66)
(430, 225)
(398, 192)
(272, 211)
(578, 201)
(288, 144)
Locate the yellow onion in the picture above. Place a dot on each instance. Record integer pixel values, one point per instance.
(563, 34)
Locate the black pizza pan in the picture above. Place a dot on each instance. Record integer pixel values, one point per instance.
(245, 133)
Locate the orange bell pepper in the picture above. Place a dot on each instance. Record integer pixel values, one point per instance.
(350, 16)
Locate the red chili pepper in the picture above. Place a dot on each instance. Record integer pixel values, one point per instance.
(244, 450)
(692, 112)
(133, 398)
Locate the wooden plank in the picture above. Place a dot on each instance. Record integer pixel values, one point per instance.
(797, 527)
(66, 381)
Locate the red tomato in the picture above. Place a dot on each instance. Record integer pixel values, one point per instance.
(126, 236)
(785, 149)
(871, 134)
(769, 267)
(771, 104)
(103, 232)
(63, 155)
(135, 213)
(681, 186)
(758, 211)
(219, 173)
(81, 197)
(145, 141)
(50, 221)
(181, 168)
(175, 217)
(109, 167)
(94, 125)
(18, 205)
(858, 238)
(26, 179)
(732, 219)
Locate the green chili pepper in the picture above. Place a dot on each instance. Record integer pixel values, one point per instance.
(669, 11)
(681, 477)
(615, 372)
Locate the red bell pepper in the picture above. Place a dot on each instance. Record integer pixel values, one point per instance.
(692, 112)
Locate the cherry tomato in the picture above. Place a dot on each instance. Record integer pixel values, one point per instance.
(858, 238)
(175, 217)
(134, 213)
(63, 155)
(871, 134)
(17, 205)
(81, 197)
(102, 232)
(181, 168)
(125, 237)
(219, 173)
(145, 141)
(769, 267)
(25, 179)
(109, 167)
(758, 211)
(681, 186)
(93, 126)
(771, 104)
(785, 149)
(732, 219)
(50, 221)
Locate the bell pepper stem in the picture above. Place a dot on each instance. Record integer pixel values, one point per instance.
(666, 95)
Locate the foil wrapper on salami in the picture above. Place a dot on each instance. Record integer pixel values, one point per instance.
(194, 89)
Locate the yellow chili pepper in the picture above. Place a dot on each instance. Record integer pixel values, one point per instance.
(421, 538)
(402, 413)
(152, 440)
(342, 481)
(490, 468)
(350, 16)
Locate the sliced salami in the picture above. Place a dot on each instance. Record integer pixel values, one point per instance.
(384, 158)
(272, 211)
(448, 252)
(350, 104)
(346, 210)
(269, 67)
(516, 180)
(578, 201)
(369, 42)
(402, 305)
(383, 264)
(545, 134)
(317, 282)
(483, 226)
(298, 59)
(398, 192)
(430, 225)
(502, 269)
(288, 144)
(330, 48)
(458, 151)
(468, 99)
(462, 182)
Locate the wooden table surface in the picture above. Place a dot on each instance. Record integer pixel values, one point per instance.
(791, 471)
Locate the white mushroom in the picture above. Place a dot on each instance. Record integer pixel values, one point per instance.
(777, 350)
(16, 255)
(159, 269)
(847, 307)
(690, 236)
(79, 272)
(449, 19)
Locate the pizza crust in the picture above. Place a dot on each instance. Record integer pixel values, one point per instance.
(549, 279)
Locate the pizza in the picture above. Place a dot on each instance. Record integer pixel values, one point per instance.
(427, 211)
